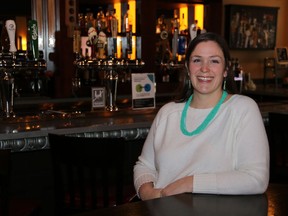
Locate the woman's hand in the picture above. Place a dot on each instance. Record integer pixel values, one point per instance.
(182, 185)
(147, 191)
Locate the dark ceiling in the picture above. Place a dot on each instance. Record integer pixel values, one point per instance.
(15, 8)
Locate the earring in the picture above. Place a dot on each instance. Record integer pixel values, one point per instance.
(224, 84)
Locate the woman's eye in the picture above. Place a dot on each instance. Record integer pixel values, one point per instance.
(195, 60)
(215, 61)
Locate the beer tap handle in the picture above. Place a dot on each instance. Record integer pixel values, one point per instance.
(33, 36)
(11, 30)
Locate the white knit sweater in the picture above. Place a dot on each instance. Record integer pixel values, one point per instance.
(231, 156)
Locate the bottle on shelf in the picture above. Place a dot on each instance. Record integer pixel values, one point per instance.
(175, 33)
(175, 44)
(127, 25)
(183, 28)
(101, 22)
(163, 50)
(101, 28)
(77, 38)
(182, 45)
(175, 21)
(238, 75)
(90, 21)
(114, 31)
(127, 28)
(82, 24)
(108, 17)
(159, 25)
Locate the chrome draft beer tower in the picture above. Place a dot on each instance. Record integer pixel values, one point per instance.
(6, 78)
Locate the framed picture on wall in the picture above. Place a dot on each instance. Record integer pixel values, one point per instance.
(251, 27)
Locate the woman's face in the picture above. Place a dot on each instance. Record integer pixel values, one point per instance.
(207, 67)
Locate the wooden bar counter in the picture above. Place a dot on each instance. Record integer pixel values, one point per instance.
(29, 132)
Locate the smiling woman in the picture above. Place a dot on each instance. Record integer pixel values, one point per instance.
(186, 149)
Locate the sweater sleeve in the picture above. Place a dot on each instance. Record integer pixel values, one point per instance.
(144, 169)
(250, 174)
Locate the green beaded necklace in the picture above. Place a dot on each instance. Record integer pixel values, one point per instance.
(207, 120)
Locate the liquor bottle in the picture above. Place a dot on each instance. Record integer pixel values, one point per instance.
(109, 17)
(90, 20)
(183, 27)
(101, 23)
(128, 30)
(159, 25)
(82, 24)
(238, 75)
(76, 40)
(182, 45)
(127, 25)
(175, 32)
(114, 31)
(175, 21)
(77, 35)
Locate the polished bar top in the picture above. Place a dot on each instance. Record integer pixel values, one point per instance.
(273, 202)
(29, 129)
(51, 116)
(74, 122)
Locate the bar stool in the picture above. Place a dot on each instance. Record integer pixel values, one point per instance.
(11, 205)
(278, 137)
